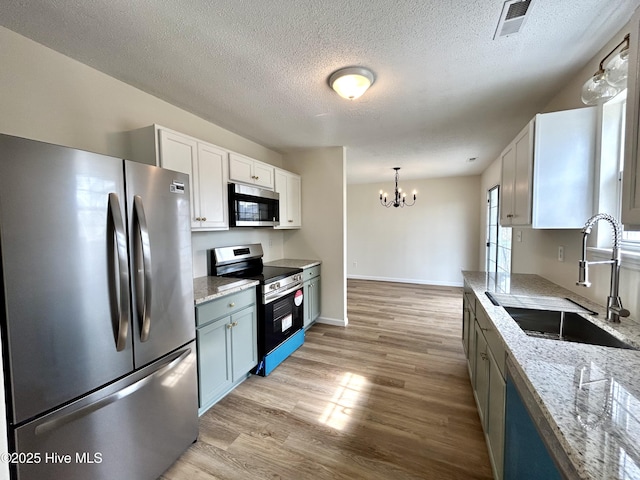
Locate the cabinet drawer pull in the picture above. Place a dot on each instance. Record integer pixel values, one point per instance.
(483, 355)
(509, 215)
(290, 221)
(232, 304)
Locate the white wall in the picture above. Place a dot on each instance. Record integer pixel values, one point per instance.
(323, 233)
(49, 97)
(430, 242)
(538, 251)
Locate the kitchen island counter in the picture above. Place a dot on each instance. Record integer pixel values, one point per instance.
(584, 399)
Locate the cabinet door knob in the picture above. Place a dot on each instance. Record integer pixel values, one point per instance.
(234, 324)
(197, 219)
(232, 304)
(204, 219)
(229, 325)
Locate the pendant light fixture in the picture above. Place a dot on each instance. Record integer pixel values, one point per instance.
(351, 82)
(400, 197)
(608, 81)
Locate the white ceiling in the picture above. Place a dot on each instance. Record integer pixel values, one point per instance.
(445, 91)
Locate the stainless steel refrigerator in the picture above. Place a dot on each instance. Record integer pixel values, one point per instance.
(97, 313)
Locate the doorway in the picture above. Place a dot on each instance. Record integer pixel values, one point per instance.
(498, 238)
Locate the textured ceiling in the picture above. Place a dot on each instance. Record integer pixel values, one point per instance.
(445, 91)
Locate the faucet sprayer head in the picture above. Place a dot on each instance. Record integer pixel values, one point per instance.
(583, 274)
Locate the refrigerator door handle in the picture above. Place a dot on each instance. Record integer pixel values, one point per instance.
(171, 363)
(123, 270)
(142, 261)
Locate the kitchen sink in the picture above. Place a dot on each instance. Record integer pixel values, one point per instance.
(565, 326)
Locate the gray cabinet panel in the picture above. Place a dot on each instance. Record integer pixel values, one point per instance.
(227, 344)
(214, 365)
(244, 342)
(311, 287)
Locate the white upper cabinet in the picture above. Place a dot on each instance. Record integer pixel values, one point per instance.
(252, 172)
(212, 187)
(631, 177)
(548, 171)
(206, 165)
(515, 198)
(288, 186)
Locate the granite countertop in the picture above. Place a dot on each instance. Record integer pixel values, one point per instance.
(206, 289)
(293, 263)
(585, 398)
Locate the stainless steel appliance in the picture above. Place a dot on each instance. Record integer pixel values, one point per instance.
(253, 207)
(97, 313)
(280, 316)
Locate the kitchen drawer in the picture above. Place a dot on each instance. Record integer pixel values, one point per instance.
(224, 306)
(310, 273)
(493, 339)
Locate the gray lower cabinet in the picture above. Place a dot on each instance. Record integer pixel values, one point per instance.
(227, 340)
(311, 287)
(486, 358)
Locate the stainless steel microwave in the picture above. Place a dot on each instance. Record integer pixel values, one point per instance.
(253, 207)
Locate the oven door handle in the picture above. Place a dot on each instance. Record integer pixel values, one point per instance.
(271, 296)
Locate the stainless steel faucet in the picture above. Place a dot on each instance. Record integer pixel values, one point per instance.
(614, 304)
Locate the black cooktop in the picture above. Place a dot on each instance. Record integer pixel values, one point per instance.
(264, 274)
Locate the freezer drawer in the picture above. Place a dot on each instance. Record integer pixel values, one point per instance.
(135, 428)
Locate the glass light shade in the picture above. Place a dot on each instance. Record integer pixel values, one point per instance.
(596, 90)
(617, 70)
(352, 82)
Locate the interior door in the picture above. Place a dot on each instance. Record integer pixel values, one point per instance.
(159, 226)
(66, 299)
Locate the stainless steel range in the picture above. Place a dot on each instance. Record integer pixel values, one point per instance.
(280, 315)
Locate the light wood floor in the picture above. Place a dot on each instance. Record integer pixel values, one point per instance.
(388, 397)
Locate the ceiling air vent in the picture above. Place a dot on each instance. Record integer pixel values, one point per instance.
(512, 17)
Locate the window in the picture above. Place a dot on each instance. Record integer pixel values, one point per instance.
(498, 238)
(611, 164)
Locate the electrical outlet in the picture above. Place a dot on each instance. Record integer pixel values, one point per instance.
(561, 253)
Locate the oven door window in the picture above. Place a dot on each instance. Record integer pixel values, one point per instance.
(283, 318)
(282, 315)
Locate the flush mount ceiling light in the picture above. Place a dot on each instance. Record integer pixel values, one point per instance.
(399, 199)
(608, 81)
(351, 82)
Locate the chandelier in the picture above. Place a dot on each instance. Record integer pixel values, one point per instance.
(400, 197)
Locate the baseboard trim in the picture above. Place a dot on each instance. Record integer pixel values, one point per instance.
(407, 280)
(333, 321)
